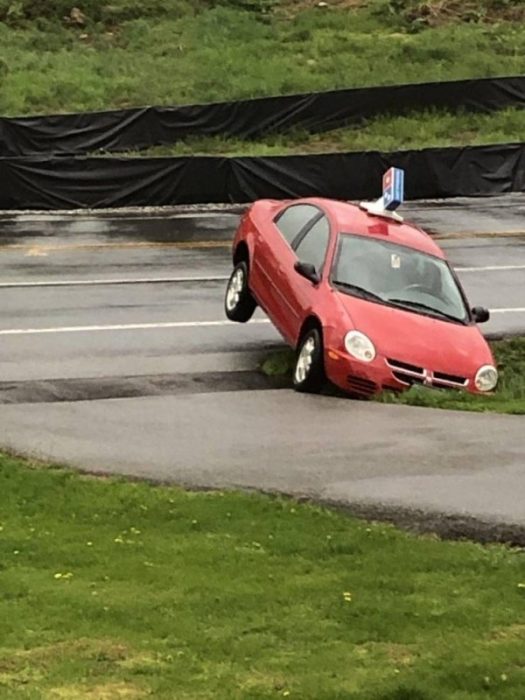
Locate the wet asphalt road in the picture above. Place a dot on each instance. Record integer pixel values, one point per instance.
(134, 306)
(36, 296)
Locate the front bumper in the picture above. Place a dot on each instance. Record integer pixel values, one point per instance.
(367, 379)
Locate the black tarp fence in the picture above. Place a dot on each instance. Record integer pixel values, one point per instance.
(66, 182)
(137, 129)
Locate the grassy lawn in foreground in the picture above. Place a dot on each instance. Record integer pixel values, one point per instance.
(508, 398)
(128, 53)
(114, 590)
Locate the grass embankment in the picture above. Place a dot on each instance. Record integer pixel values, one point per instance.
(508, 398)
(114, 590)
(384, 133)
(174, 51)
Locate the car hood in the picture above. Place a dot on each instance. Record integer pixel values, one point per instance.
(417, 339)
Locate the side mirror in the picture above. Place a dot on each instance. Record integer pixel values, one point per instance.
(307, 270)
(480, 314)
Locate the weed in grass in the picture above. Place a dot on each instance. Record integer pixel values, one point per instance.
(427, 13)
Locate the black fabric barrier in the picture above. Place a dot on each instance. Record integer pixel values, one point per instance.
(136, 129)
(66, 183)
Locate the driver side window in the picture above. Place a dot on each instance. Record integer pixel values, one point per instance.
(313, 246)
(294, 219)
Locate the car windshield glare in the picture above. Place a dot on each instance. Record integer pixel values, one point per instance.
(396, 275)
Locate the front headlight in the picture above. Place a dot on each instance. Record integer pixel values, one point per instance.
(358, 345)
(486, 378)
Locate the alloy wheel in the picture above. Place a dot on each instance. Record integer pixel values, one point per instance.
(304, 361)
(234, 289)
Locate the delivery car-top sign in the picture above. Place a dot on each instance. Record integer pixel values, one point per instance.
(393, 195)
(393, 188)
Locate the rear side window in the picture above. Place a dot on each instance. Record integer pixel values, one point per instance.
(312, 247)
(294, 219)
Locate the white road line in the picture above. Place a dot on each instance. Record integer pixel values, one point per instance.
(128, 280)
(160, 326)
(490, 268)
(20, 284)
(508, 311)
(126, 327)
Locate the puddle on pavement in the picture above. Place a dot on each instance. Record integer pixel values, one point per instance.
(29, 230)
(489, 216)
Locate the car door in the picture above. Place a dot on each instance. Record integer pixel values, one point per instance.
(275, 258)
(311, 246)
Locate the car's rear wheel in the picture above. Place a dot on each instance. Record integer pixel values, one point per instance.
(309, 375)
(239, 303)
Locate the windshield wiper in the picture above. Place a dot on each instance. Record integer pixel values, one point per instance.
(358, 289)
(425, 307)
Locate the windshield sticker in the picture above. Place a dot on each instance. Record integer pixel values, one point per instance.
(395, 261)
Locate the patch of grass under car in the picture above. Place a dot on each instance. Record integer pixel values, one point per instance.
(126, 590)
(509, 397)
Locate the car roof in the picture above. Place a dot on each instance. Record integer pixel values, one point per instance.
(350, 218)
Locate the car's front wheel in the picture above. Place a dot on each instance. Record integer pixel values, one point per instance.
(239, 303)
(309, 375)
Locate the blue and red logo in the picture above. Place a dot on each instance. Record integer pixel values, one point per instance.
(393, 188)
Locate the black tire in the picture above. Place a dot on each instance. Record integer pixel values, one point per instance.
(309, 376)
(239, 303)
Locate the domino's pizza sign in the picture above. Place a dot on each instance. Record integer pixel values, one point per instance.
(393, 196)
(393, 188)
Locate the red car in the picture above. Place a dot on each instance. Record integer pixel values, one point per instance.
(368, 302)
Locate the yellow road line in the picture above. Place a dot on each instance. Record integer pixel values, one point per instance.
(42, 250)
(45, 249)
(479, 234)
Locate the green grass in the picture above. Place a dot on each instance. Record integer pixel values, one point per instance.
(508, 398)
(175, 51)
(384, 133)
(114, 590)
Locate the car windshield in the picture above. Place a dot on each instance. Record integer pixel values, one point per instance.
(398, 276)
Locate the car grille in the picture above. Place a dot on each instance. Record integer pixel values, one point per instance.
(412, 374)
(361, 385)
(450, 378)
(408, 378)
(404, 365)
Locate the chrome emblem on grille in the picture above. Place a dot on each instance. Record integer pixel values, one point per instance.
(427, 377)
